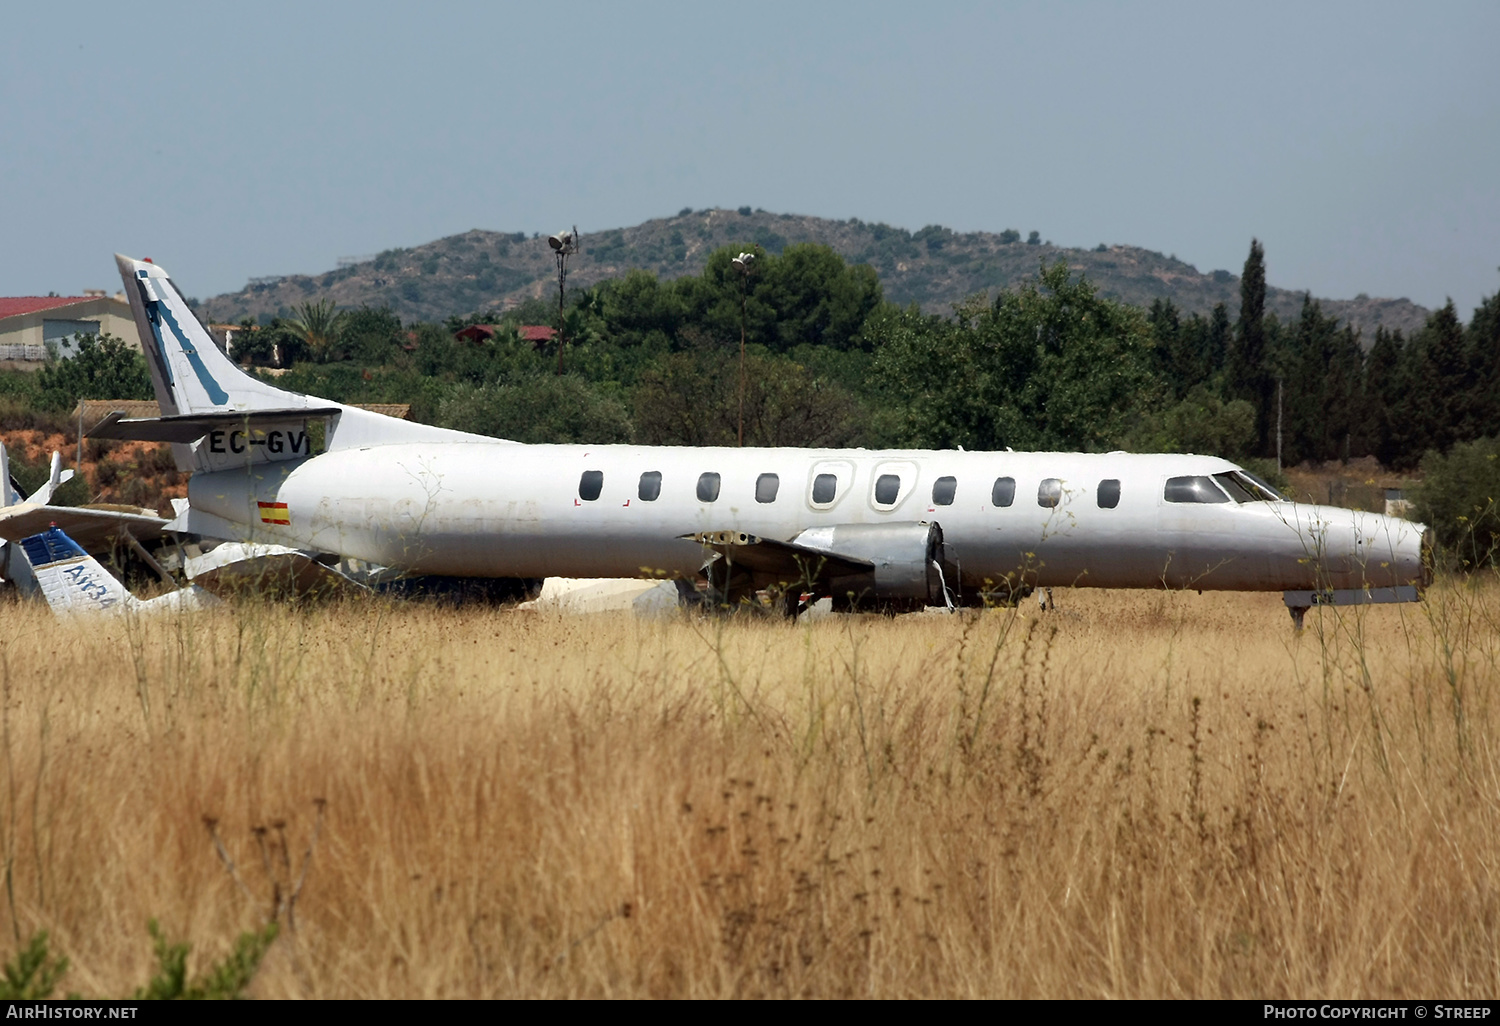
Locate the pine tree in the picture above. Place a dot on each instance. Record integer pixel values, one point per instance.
(1484, 359)
(1445, 379)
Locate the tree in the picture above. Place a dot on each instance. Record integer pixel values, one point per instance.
(1249, 375)
(1049, 365)
(371, 336)
(104, 367)
(317, 325)
(540, 408)
(1438, 398)
(1460, 497)
(806, 294)
(1382, 397)
(1484, 357)
(686, 398)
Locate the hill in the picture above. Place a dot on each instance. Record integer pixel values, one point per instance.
(935, 268)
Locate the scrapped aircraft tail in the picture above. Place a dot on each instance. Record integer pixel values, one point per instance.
(189, 371)
(219, 416)
(73, 582)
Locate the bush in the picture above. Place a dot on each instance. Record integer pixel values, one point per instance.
(105, 367)
(546, 408)
(1459, 498)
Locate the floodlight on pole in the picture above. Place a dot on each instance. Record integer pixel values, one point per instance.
(564, 244)
(743, 264)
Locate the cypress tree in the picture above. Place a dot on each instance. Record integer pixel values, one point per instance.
(1382, 397)
(1249, 376)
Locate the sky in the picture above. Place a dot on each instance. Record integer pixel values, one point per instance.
(1360, 142)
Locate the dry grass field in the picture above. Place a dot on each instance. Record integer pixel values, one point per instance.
(1137, 795)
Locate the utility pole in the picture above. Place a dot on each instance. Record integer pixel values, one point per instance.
(564, 244)
(1278, 425)
(743, 263)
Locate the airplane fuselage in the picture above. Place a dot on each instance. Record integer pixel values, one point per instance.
(1057, 519)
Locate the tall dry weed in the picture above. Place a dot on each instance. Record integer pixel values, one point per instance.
(1135, 795)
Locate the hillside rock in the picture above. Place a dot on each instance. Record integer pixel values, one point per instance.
(935, 268)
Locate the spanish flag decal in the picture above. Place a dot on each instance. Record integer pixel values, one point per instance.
(274, 513)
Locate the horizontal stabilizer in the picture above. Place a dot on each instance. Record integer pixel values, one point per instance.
(91, 528)
(190, 427)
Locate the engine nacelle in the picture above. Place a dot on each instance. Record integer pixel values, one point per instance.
(909, 559)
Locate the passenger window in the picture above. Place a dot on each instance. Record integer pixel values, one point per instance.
(1109, 494)
(1004, 492)
(943, 490)
(887, 488)
(825, 487)
(765, 487)
(708, 487)
(1049, 494)
(590, 485)
(650, 489)
(1193, 489)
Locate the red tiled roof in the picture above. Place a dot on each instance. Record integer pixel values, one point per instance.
(537, 333)
(12, 306)
(475, 332)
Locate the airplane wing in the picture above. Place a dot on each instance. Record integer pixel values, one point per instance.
(94, 529)
(777, 562)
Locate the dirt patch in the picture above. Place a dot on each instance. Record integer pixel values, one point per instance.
(131, 473)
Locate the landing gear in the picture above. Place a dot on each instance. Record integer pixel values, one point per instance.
(1298, 612)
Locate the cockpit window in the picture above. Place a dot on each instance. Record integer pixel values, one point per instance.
(1258, 487)
(943, 490)
(1193, 489)
(1237, 491)
(590, 484)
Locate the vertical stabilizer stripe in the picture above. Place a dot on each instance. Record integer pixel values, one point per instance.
(215, 392)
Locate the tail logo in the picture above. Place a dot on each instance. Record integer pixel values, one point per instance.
(275, 513)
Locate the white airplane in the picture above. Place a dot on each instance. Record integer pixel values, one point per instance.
(899, 529)
(73, 582)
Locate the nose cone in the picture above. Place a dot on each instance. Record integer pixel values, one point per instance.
(1356, 549)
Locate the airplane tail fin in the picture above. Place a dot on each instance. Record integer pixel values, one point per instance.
(73, 582)
(189, 371)
(218, 416)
